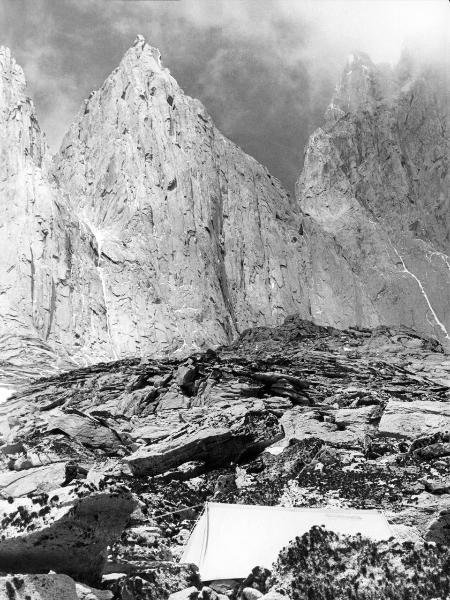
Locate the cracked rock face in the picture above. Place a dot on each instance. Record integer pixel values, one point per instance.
(374, 192)
(49, 283)
(193, 238)
(150, 232)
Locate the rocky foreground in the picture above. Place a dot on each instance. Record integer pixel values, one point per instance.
(105, 469)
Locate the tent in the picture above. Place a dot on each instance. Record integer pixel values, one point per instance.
(230, 539)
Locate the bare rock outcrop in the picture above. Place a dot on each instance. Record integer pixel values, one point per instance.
(413, 419)
(375, 569)
(374, 196)
(67, 531)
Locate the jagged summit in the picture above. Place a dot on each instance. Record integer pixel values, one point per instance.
(141, 49)
(164, 195)
(151, 232)
(12, 78)
(8, 63)
(358, 60)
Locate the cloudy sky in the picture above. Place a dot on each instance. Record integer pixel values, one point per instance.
(265, 69)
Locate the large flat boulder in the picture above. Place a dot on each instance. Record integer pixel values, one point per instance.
(213, 445)
(68, 532)
(411, 419)
(28, 481)
(346, 427)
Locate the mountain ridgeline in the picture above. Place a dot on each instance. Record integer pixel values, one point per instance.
(149, 232)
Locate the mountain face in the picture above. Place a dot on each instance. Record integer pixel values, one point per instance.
(44, 249)
(374, 193)
(150, 232)
(193, 237)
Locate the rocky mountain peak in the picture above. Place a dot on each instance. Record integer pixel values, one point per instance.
(154, 233)
(164, 193)
(148, 57)
(375, 179)
(10, 72)
(359, 87)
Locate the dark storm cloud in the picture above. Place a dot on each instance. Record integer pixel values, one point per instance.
(264, 69)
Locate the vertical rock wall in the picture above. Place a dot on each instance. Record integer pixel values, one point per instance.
(374, 192)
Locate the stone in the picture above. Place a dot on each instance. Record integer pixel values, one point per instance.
(439, 529)
(173, 400)
(394, 569)
(69, 533)
(208, 593)
(38, 587)
(370, 197)
(158, 580)
(214, 446)
(186, 375)
(191, 593)
(438, 486)
(86, 592)
(249, 593)
(86, 430)
(346, 427)
(28, 481)
(410, 419)
(273, 595)
(433, 450)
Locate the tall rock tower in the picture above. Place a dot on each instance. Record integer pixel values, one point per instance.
(43, 318)
(194, 239)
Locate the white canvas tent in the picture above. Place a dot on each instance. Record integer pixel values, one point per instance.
(230, 539)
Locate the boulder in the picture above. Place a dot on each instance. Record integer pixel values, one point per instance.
(433, 451)
(185, 375)
(213, 445)
(86, 592)
(153, 581)
(86, 430)
(68, 532)
(346, 427)
(38, 587)
(28, 481)
(439, 529)
(208, 593)
(190, 593)
(173, 399)
(250, 593)
(411, 419)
